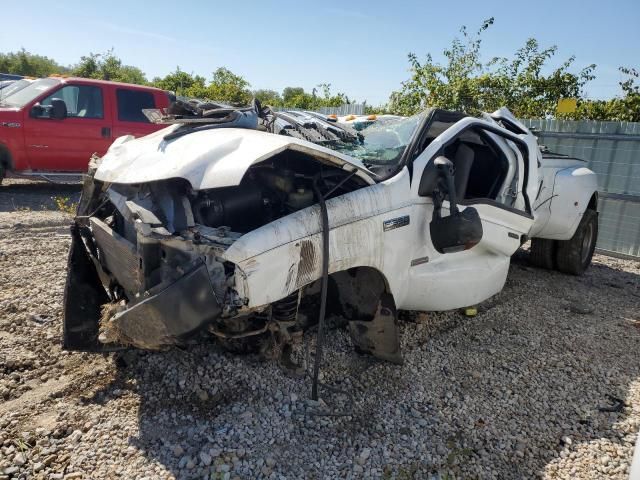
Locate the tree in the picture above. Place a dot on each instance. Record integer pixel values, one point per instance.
(291, 95)
(268, 97)
(227, 87)
(29, 64)
(180, 82)
(106, 66)
(625, 108)
(296, 97)
(467, 84)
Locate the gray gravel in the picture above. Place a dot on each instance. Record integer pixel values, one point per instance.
(515, 392)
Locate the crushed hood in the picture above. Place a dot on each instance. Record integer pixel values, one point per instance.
(206, 159)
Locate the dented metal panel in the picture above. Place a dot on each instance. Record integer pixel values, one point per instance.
(206, 159)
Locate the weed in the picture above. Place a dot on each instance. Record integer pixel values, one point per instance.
(64, 204)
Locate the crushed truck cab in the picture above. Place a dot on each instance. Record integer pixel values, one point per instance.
(221, 221)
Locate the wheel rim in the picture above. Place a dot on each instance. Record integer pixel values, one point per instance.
(587, 242)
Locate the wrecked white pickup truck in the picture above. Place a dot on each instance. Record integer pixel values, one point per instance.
(246, 223)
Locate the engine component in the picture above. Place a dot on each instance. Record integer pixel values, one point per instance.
(281, 180)
(239, 208)
(300, 198)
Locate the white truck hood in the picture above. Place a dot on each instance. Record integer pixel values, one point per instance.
(206, 159)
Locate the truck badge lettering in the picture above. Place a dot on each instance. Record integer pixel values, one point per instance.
(395, 223)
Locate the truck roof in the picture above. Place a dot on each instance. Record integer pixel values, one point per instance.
(65, 79)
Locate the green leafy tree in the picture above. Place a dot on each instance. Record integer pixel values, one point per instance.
(625, 108)
(321, 96)
(268, 97)
(180, 82)
(226, 87)
(292, 95)
(29, 64)
(465, 83)
(106, 66)
(328, 99)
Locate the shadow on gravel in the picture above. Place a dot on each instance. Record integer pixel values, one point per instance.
(31, 195)
(510, 393)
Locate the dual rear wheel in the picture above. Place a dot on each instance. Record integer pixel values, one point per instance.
(571, 256)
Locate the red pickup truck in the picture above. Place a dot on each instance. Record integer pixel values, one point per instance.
(55, 124)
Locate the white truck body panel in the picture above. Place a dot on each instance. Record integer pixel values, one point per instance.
(206, 159)
(278, 258)
(567, 190)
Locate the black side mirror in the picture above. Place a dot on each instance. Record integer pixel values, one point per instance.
(58, 109)
(440, 169)
(460, 230)
(457, 232)
(38, 110)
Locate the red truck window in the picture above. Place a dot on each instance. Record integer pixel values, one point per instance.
(83, 101)
(131, 103)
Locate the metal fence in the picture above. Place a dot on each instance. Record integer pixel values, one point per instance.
(613, 152)
(345, 109)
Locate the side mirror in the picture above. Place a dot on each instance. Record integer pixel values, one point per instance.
(38, 110)
(457, 232)
(460, 230)
(58, 109)
(440, 168)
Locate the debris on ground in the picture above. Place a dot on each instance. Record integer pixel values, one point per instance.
(515, 392)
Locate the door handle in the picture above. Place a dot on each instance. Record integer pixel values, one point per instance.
(106, 132)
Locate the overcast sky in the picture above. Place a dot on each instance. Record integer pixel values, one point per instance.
(360, 47)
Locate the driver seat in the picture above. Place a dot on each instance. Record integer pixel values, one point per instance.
(462, 162)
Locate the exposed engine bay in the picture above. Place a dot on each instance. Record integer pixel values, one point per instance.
(252, 226)
(158, 250)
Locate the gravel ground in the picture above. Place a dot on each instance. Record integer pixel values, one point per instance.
(516, 392)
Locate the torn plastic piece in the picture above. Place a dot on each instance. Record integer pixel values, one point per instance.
(379, 336)
(164, 319)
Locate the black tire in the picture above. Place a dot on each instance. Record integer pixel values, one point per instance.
(574, 255)
(2, 172)
(543, 253)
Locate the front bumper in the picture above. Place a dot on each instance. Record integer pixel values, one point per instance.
(152, 322)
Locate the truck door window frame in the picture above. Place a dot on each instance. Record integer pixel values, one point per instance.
(506, 135)
(126, 114)
(96, 92)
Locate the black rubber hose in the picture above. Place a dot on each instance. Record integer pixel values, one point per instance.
(324, 216)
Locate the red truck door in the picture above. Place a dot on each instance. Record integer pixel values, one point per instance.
(128, 118)
(67, 144)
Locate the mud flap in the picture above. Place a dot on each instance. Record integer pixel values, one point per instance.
(84, 296)
(379, 336)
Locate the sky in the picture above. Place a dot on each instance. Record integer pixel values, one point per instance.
(360, 47)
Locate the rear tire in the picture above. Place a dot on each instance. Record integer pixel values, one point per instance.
(2, 172)
(574, 255)
(543, 253)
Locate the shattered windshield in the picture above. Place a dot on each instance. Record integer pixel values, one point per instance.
(384, 141)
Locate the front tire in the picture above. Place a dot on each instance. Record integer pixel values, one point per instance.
(573, 256)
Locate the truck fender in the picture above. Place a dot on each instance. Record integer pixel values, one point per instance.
(574, 190)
